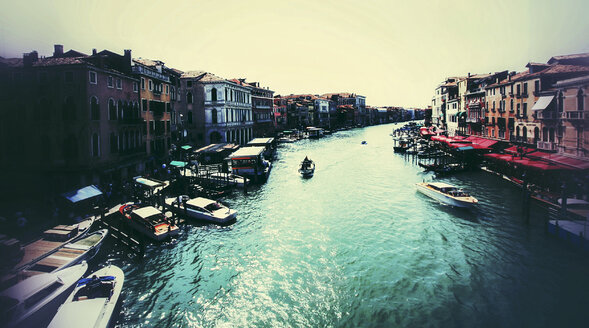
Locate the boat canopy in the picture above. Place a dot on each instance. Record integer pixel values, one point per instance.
(148, 182)
(260, 141)
(248, 152)
(186, 147)
(147, 211)
(178, 164)
(200, 202)
(82, 194)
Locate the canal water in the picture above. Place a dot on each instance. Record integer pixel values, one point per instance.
(357, 246)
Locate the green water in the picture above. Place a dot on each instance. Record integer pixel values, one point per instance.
(357, 246)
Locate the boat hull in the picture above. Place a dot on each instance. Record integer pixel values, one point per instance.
(440, 197)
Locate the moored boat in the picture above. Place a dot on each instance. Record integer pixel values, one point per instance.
(81, 249)
(149, 221)
(201, 208)
(446, 194)
(33, 301)
(93, 300)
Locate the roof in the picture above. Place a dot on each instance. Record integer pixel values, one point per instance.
(148, 62)
(260, 141)
(147, 211)
(210, 77)
(216, 148)
(200, 202)
(191, 74)
(248, 151)
(82, 194)
(565, 57)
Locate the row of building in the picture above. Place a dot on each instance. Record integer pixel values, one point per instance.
(73, 119)
(545, 106)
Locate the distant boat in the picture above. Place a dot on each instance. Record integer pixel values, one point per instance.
(33, 301)
(93, 300)
(307, 168)
(447, 194)
(202, 209)
(364, 142)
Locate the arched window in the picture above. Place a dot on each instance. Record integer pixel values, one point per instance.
(94, 109)
(214, 94)
(580, 102)
(536, 134)
(69, 109)
(551, 135)
(112, 110)
(560, 102)
(189, 98)
(114, 143)
(214, 116)
(545, 134)
(95, 145)
(517, 131)
(525, 133)
(120, 109)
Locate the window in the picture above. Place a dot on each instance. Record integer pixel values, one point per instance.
(92, 78)
(120, 110)
(536, 86)
(94, 109)
(580, 100)
(214, 94)
(69, 109)
(517, 112)
(560, 102)
(95, 145)
(525, 89)
(135, 87)
(112, 110)
(189, 84)
(214, 115)
(189, 97)
(511, 105)
(525, 110)
(150, 84)
(226, 97)
(119, 84)
(518, 90)
(189, 117)
(69, 77)
(142, 84)
(144, 104)
(167, 89)
(114, 143)
(109, 82)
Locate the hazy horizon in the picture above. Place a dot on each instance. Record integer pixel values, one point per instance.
(394, 53)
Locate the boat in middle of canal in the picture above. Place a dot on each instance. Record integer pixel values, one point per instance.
(201, 209)
(149, 221)
(447, 194)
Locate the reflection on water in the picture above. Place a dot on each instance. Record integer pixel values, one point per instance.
(356, 245)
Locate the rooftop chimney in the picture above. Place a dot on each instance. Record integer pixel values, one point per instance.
(58, 50)
(30, 58)
(93, 51)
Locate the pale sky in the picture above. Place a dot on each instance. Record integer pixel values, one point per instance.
(393, 52)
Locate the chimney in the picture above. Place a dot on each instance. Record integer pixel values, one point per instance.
(30, 58)
(93, 51)
(468, 74)
(128, 56)
(58, 50)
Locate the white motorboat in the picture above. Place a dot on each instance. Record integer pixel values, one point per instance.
(81, 249)
(202, 209)
(33, 301)
(93, 300)
(446, 194)
(149, 221)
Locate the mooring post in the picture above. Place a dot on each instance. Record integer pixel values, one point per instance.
(525, 199)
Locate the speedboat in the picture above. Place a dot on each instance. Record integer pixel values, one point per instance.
(201, 208)
(33, 301)
(307, 168)
(447, 194)
(149, 221)
(81, 249)
(93, 300)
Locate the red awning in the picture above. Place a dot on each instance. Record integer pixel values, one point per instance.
(514, 150)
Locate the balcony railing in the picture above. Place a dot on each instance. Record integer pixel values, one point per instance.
(545, 145)
(547, 115)
(577, 115)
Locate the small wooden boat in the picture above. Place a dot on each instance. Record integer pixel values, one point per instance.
(33, 301)
(447, 194)
(93, 300)
(81, 249)
(307, 168)
(201, 209)
(149, 221)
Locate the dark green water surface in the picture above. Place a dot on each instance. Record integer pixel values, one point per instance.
(357, 246)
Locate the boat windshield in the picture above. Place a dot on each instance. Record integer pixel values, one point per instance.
(458, 193)
(213, 207)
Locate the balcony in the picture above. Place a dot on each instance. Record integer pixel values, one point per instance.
(545, 145)
(577, 115)
(547, 115)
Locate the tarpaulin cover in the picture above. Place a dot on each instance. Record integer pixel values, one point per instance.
(82, 194)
